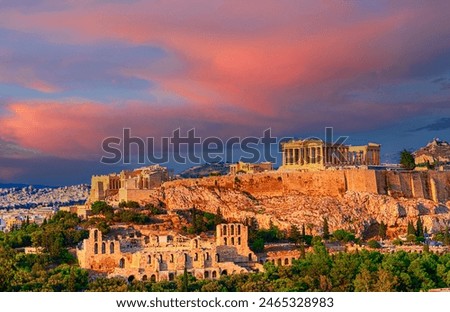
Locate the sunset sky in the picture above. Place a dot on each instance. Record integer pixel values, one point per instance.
(73, 72)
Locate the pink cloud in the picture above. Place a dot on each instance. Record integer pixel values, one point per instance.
(238, 64)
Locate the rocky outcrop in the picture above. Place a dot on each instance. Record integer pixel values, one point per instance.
(349, 199)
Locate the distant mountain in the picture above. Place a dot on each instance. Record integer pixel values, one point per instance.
(436, 151)
(206, 170)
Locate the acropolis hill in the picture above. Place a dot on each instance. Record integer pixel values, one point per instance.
(355, 199)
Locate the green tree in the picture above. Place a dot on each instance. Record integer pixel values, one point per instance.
(325, 229)
(411, 229)
(373, 244)
(407, 160)
(382, 229)
(419, 228)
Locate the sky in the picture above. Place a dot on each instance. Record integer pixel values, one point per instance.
(73, 73)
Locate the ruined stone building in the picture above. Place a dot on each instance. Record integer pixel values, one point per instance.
(317, 154)
(128, 184)
(242, 167)
(135, 255)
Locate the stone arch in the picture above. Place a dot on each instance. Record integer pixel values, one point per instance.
(103, 247)
(144, 278)
(122, 263)
(95, 248)
(217, 257)
(286, 261)
(131, 278)
(232, 229)
(111, 248)
(214, 274)
(153, 278)
(95, 235)
(171, 276)
(224, 272)
(206, 275)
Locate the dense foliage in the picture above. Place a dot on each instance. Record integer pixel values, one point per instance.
(317, 271)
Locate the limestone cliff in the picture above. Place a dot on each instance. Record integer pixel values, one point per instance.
(350, 199)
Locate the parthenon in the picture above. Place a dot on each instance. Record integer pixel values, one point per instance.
(317, 154)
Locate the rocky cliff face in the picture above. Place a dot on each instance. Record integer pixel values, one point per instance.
(349, 200)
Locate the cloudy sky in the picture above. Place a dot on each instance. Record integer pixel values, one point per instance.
(73, 72)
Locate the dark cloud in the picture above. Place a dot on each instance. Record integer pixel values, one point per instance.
(440, 124)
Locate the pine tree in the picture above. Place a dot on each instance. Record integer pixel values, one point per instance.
(411, 229)
(325, 229)
(446, 236)
(218, 219)
(382, 230)
(185, 285)
(419, 227)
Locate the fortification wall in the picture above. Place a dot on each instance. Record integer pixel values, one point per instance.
(432, 185)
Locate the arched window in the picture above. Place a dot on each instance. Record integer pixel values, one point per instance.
(225, 241)
(95, 235)
(196, 257)
(144, 278)
(214, 274)
(286, 261)
(153, 278)
(103, 248)
(217, 257)
(232, 241)
(232, 229)
(239, 229)
(195, 243)
(224, 232)
(95, 248)
(111, 248)
(239, 240)
(207, 256)
(149, 259)
(171, 258)
(122, 263)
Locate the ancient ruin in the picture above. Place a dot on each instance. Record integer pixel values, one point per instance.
(243, 167)
(163, 256)
(316, 154)
(128, 184)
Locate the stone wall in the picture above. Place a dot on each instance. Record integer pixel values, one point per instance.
(432, 185)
